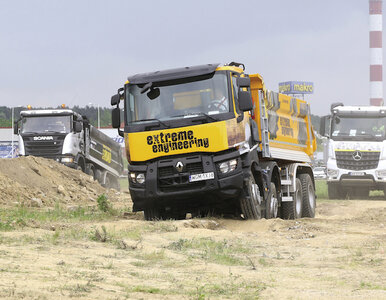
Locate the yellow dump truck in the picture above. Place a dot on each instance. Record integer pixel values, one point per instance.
(212, 139)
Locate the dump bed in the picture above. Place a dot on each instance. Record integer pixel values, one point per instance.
(284, 124)
(105, 151)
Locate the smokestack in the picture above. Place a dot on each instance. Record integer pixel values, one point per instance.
(376, 60)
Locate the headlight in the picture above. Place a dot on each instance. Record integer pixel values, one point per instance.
(228, 166)
(67, 159)
(140, 178)
(380, 173)
(332, 172)
(132, 177)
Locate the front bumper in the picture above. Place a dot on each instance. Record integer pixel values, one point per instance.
(165, 186)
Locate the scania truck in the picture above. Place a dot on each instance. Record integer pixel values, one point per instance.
(356, 156)
(212, 139)
(69, 138)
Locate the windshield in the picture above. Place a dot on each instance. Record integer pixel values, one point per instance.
(46, 124)
(349, 128)
(186, 99)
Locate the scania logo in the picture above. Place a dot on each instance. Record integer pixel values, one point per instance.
(179, 166)
(43, 138)
(357, 155)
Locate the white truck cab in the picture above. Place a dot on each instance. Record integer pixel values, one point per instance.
(356, 156)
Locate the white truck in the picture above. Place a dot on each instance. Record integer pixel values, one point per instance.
(356, 156)
(69, 138)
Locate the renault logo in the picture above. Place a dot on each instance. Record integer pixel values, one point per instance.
(357, 155)
(179, 166)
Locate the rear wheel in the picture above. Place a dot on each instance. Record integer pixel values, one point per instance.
(91, 172)
(250, 200)
(308, 195)
(293, 209)
(152, 214)
(272, 203)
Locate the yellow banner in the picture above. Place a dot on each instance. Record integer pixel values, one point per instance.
(142, 146)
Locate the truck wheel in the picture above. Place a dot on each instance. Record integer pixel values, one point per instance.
(249, 201)
(293, 209)
(272, 203)
(308, 194)
(91, 172)
(359, 193)
(336, 192)
(152, 214)
(332, 192)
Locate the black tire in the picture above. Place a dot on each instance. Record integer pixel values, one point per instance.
(173, 215)
(293, 210)
(272, 203)
(249, 201)
(359, 193)
(152, 214)
(308, 195)
(91, 172)
(332, 191)
(336, 192)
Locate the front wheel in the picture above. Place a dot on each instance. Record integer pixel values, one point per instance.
(152, 214)
(250, 200)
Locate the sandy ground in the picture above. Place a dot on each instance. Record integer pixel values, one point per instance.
(338, 255)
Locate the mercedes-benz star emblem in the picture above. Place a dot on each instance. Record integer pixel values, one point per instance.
(357, 155)
(179, 166)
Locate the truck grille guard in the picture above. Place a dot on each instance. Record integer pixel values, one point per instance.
(357, 160)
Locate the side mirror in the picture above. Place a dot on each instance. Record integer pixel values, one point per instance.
(323, 122)
(116, 117)
(244, 82)
(115, 99)
(245, 101)
(78, 127)
(16, 128)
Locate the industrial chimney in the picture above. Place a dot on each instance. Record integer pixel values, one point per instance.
(376, 61)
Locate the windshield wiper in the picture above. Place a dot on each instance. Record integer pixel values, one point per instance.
(152, 120)
(197, 114)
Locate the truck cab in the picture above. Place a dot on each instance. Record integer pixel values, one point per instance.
(51, 134)
(68, 137)
(197, 141)
(356, 156)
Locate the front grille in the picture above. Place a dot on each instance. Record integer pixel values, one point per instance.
(170, 180)
(49, 148)
(345, 160)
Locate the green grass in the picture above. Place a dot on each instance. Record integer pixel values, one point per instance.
(19, 217)
(221, 252)
(321, 189)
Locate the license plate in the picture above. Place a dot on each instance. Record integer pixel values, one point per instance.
(202, 176)
(357, 173)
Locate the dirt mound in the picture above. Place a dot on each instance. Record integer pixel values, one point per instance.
(35, 181)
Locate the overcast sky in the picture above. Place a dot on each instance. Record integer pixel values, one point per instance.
(77, 52)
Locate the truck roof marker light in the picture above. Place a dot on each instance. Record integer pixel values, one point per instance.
(63, 106)
(29, 107)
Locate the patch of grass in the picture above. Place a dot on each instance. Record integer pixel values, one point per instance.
(371, 286)
(321, 190)
(222, 252)
(21, 216)
(144, 289)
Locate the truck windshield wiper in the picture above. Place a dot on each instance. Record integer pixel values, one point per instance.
(197, 114)
(152, 120)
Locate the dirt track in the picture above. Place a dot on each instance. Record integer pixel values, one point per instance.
(338, 255)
